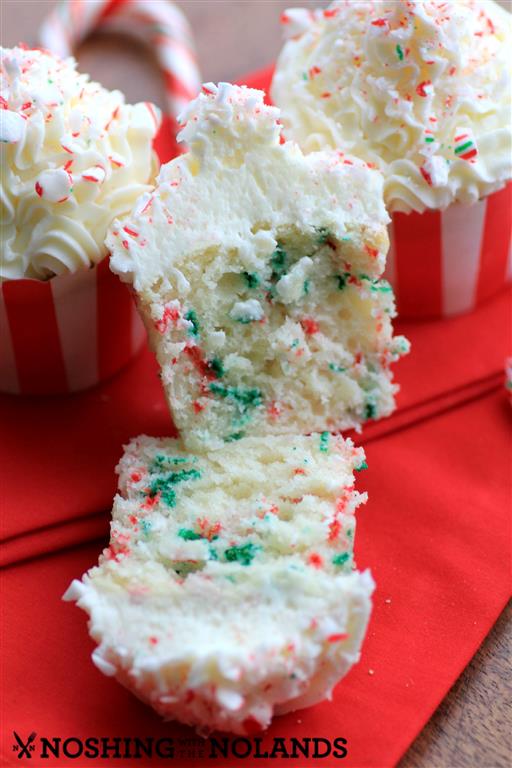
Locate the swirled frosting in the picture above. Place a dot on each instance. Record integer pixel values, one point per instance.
(421, 88)
(73, 157)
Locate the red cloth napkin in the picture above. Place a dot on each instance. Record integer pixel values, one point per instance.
(435, 536)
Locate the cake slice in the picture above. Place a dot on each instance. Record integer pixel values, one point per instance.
(258, 274)
(228, 593)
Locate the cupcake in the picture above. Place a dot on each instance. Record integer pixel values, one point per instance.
(257, 271)
(420, 90)
(73, 156)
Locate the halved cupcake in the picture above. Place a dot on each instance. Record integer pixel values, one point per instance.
(258, 270)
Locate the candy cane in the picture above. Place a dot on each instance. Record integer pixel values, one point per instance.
(162, 24)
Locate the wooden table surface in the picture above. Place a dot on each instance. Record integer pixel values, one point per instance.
(472, 727)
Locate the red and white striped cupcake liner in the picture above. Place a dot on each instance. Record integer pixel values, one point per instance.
(73, 331)
(66, 334)
(445, 263)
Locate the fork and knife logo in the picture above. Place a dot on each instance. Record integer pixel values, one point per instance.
(24, 747)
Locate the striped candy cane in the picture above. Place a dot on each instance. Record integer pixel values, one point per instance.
(162, 24)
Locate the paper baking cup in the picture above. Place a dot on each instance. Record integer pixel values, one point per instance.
(66, 334)
(445, 263)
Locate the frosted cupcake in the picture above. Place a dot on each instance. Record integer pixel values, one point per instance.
(73, 157)
(421, 90)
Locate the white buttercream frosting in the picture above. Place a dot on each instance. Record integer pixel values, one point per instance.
(73, 157)
(421, 88)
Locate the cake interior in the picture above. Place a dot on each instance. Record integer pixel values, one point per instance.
(299, 341)
(246, 504)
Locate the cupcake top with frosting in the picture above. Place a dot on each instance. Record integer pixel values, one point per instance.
(73, 157)
(421, 88)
